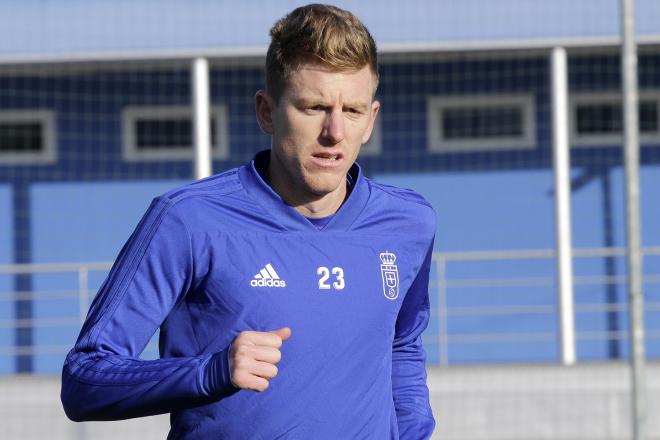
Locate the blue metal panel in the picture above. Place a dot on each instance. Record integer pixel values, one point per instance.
(514, 210)
(75, 222)
(493, 211)
(91, 220)
(6, 230)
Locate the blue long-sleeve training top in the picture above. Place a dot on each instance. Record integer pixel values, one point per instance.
(225, 255)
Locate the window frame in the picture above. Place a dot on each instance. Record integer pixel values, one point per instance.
(131, 114)
(46, 119)
(608, 140)
(437, 143)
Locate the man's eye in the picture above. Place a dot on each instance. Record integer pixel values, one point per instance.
(354, 111)
(317, 107)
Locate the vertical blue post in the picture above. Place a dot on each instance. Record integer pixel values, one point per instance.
(612, 290)
(22, 282)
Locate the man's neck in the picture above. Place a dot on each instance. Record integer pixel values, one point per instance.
(308, 205)
(323, 207)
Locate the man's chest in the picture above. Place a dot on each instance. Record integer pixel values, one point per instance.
(317, 282)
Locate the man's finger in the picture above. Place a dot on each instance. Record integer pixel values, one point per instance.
(257, 384)
(268, 339)
(264, 370)
(283, 333)
(266, 354)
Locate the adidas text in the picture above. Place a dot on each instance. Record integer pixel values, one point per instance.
(268, 283)
(267, 277)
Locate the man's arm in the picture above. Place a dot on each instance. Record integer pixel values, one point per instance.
(411, 395)
(103, 377)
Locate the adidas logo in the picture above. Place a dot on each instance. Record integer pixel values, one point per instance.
(267, 277)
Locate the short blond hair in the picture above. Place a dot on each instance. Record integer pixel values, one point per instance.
(319, 34)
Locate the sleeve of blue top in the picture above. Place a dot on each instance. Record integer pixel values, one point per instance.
(411, 395)
(103, 377)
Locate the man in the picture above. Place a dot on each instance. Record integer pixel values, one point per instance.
(290, 293)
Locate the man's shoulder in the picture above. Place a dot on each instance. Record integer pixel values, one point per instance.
(402, 203)
(398, 194)
(215, 186)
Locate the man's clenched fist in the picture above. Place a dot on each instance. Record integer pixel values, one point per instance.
(253, 356)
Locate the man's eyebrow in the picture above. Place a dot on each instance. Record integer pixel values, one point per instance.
(309, 100)
(318, 100)
(361, 106)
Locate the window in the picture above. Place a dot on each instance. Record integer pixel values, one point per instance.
(597, 119)
(374, 146)
(166, 133)
(27, 137)
(480, 123)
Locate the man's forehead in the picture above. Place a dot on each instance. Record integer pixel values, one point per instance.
(315, 81)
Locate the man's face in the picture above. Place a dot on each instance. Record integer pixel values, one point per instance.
(318, 126)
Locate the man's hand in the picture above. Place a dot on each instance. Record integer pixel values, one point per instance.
(253, 356)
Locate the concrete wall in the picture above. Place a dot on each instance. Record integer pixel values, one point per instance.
(586, 402)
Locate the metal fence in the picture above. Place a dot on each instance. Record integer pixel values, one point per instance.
(448, 289)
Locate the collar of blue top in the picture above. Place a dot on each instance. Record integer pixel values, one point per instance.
(286, 215)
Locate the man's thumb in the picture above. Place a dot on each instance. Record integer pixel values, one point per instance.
(283, 333)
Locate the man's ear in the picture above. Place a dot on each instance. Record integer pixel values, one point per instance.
(264, 106)
(375, 106)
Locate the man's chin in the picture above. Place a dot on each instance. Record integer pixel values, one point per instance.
(323, 188)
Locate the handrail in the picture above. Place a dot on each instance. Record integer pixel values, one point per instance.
(27, 268)
(538, 253)
(440, 284)
(31, 268)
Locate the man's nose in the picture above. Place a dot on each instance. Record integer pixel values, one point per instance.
(333, 127)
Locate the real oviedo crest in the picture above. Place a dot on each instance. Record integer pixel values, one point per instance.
(390, 275)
